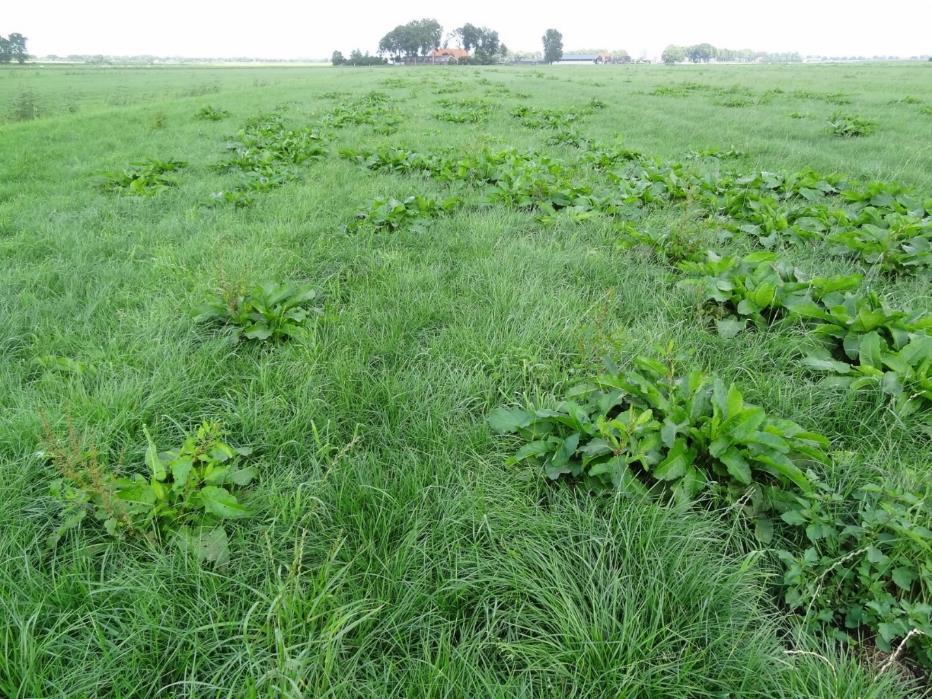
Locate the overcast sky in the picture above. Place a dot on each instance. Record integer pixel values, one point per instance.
(308, 29)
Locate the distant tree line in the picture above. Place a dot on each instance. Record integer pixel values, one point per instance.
(13, 48)
(356, 58)
(704, 53)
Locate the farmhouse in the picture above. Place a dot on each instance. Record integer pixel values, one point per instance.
(448, 55)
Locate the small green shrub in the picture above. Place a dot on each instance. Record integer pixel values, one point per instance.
(268, 311)
(24, 107)
(850, 126)
(144, 178)
(184, 494)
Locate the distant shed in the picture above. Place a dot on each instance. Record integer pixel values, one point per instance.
(579, 58)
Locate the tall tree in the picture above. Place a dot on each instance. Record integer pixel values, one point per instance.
(418, 36)
(484, 42)
(6, 54)
(553, 46)
(17, 49)
(700, 53)
(673, 54)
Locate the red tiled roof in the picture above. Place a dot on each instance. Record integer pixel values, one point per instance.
(452, 53)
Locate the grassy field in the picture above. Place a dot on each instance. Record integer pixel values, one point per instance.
(392, 549)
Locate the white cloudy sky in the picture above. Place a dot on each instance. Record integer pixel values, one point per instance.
(297, 29)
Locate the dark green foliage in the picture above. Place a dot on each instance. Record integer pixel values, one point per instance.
(650, 427)
(183, 495)
(268, 311)
(143, 178)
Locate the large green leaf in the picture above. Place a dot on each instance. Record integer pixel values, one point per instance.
(220, 502)
(737, 466)
(156, 467)
(505, 420)
(678, 459)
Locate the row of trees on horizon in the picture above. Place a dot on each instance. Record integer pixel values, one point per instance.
(418, 38)
(706, 53)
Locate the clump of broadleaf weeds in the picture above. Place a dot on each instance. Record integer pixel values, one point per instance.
(391, 215)
(864, 344)
(143, 178)
(268, 311)
(673, 244)
(760, 288)
(681, 434)
(183, 495)
(548, 118)
(211, 113)
(850, 126)
(264, 154)
(372, 108)
(464, 111)
(863, 567)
